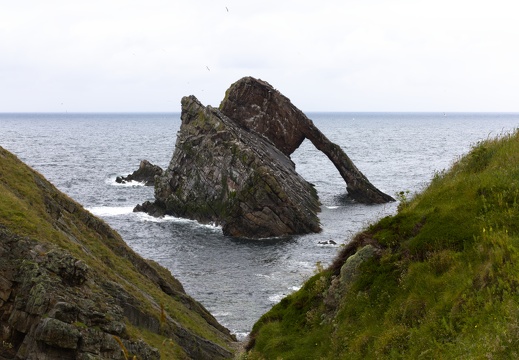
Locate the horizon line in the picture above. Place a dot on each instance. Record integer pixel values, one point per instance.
(304, 111)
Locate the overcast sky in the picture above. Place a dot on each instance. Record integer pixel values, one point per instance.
(327, 55)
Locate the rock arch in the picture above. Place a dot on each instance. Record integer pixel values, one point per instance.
(231, 166)
(257, 106)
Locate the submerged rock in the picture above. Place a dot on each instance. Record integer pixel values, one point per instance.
(224, 174)
(145, 173)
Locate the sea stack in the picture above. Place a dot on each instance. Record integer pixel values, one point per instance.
(224, 174)
(231, 166)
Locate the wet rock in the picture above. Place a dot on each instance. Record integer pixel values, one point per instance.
(151, 208)
(327, 242)
(145, 173)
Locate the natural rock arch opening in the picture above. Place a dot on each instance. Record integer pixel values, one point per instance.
(314, 167)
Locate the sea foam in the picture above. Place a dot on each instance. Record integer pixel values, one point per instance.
(105, 211)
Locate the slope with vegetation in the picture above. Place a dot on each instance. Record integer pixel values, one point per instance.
(70, 288)
(438, 280)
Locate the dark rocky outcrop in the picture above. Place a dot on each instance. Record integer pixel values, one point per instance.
(70, 288)
(225, 174)
(145, 173)
(257, 106)
(231, 166)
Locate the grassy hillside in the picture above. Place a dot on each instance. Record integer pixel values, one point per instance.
(439, 280)
(54, 255)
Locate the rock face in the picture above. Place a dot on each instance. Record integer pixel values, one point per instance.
(145, 173)
(44, 313)
(257, 106)
(225, 174)
(70, 288)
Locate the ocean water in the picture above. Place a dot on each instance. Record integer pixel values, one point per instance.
(239, 279)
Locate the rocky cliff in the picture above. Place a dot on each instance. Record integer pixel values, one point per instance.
(70, 288)
(225, 174)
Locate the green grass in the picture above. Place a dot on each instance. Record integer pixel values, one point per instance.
(444, 285)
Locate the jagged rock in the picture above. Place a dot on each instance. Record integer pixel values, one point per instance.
(70, 288)
(231, 166)
(145, 173)
(327, 242)
(47, 312)
(57, 333)
(221, 173)
(151, 208)
(257, 106)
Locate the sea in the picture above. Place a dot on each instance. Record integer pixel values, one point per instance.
(239, 279)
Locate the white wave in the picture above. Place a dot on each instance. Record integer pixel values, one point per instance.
(168, 218)
(332, 207)
(221, 314)
(212, 226)
(277, 298)
(263, 276)
(111, 181)
(142, 216)
(240, 335)
(110, 210)
(131, 183)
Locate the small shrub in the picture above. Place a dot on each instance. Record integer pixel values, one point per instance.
(403, 198)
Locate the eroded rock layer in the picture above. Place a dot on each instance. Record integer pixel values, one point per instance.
(232, 167)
